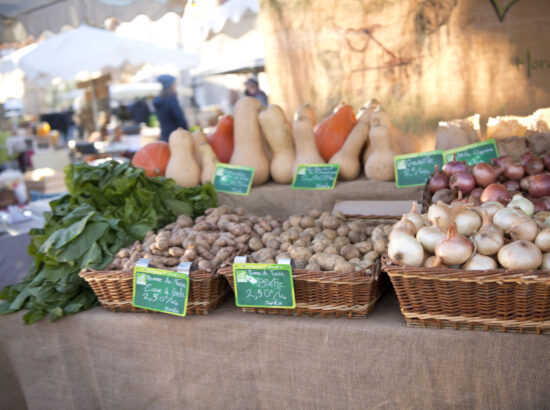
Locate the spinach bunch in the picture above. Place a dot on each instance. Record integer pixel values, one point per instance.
(108, 207)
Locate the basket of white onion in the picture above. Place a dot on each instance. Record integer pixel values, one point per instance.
(476, 267)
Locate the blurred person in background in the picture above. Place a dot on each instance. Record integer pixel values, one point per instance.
(167, 108)
(140, 112)
(253, 90)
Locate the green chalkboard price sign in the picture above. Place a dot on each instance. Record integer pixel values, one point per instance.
(415, 169)
(482, 151)
(232, 179)
(161, 290)
(263, 285)
(317, 176)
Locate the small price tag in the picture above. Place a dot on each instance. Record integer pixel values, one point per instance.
(232, 179)
(263, 285)
(316, 176)
(161, 290)
(415, 169)
(473, 154)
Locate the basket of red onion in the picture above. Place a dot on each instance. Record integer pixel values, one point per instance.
(464, 265)
(498, 181)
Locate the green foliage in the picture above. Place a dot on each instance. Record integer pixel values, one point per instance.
(108, 206)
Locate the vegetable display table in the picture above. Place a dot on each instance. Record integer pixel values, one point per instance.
(282, 201)
(232, 359)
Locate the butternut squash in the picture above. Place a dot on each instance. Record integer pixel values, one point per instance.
(182, 166)
(304, 139)
(348, 155)
(407, 143)
(379, 163)
(369, 108)
(198, 139)
(307, 111)
(209, 161)
(248, 149)
(277, 133)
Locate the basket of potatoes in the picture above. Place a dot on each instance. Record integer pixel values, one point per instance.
(210, 242)
(337, 262)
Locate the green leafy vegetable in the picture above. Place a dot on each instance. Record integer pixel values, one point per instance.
(108, 207)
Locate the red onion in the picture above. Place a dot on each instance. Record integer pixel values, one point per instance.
(539, 185)
(533, 166)
(454, 166)
(502, 162)
(476, 193)
(462, 181)
(484, 174)
(496, 192)
(546, 161)
(524, 183)
(546, 201)
(526, 156)
(511, 186)
(438, 180)
(539, 205)
(514, 171)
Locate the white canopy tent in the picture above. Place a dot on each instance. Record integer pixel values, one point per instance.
(234, 18)
(91, 49)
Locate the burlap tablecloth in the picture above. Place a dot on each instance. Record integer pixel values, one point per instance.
(237, 360)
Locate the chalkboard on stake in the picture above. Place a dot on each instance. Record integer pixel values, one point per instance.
(415, 169)
(316, 176)
(473, 154)
(233, 179)
(263, 285)
(160, 290)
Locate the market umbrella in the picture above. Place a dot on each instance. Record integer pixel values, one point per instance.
(91, 49)
(22, 17)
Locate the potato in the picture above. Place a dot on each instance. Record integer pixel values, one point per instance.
(295, 220)
(294, 233)
(313, 266)
(204, 265)
(284, 246)
(371, 255)
(368, 261)
(341, 241)
(175, 251)
(364, 246)
(328, 262)
(355, 261)
(356, 226)
(343, 230)
(311, 232)
(315, 213)
(223, 256)
(273, 243)
(123, 253)
(267, 236)
(379, 246)
(331, 222)
(330, 233)
(344, 267)
(184, 221)
(339, 215)
(277, 231)
(307, 222)
(255, 244)
(356, 236)
(332, 250)
(302, 241)
(300, 253)
(286, 225)
(284, 237)
(350, 252)
(263, 254)
(300, 264)
(319, 246)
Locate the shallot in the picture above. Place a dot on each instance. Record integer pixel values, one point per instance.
(480, 262)
(467, 222)
(440, 214)
(514, 171)
(543, 240)
(414, 217)
(492, 207)
(545, 261)
(489, 239)
(438, 180)
(404, 226)
(406, 250)
(429, 236)
(484, 174)
(539, 185)
(518, 201)
(454, 166)
(506, 217)
(462, 181)
(496, 192)
(523, 229)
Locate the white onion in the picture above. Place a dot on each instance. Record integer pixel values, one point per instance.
(487, 225)
(455, 249)
(545, 261)
(414, 217)
(518, 201)
(429, 236)
(506, 217)
(402, 226)
(405, 250)
(480, 262)
(492, 207)
(523, 229)
(467, 222)
(543, 240)
(440, 214)
(488, 242)
(520, 255)
(433, 262)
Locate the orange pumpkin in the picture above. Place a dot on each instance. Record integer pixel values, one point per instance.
(221, 139)
(332, 132)
(153, 158)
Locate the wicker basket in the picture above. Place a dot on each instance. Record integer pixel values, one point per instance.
(114, 290)
(499, 299)
(329, 294)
